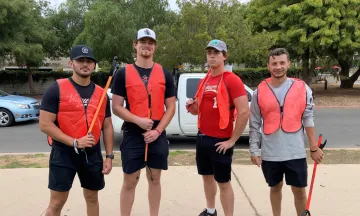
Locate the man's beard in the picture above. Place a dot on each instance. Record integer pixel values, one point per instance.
(82, 74)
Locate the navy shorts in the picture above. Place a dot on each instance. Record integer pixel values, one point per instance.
(295, 172)
(209, 162)
(65, 163)
(133, 152)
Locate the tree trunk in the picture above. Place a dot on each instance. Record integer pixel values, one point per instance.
(30, 81)
(345, 81)
(306, 73)
(349, 83)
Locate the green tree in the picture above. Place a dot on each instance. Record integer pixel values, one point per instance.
(111, 25)
(311, 29)
(67, 22)
(25, 35)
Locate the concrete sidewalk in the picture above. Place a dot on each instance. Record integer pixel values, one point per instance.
(336, 192)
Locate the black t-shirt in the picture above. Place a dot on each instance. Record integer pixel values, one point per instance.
(119, 88)
(51, 99)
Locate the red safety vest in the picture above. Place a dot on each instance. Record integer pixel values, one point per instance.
(289, 116)
(72, 117)
(222, 98)
(138, 95)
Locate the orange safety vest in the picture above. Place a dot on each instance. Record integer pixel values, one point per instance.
(289, 116)
(144, 99)
(73, 118)
(222, 97)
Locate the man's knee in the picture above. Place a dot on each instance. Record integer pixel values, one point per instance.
(224, 186)
(57, 201)
(208, 179)
(299, 193)
(153, 176)
(91, 196)
(131, 180)
(277, 188)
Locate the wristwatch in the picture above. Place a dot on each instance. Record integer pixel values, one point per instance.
(111, 156)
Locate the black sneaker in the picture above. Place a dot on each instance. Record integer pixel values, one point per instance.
(205, 213)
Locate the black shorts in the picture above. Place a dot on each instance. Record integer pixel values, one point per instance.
(64, 164)
(133, 153)
(295, 172)
(209, 162)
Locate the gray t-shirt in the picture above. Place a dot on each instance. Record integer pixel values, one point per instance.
(279, 146)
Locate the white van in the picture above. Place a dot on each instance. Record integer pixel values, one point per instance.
(183, 123)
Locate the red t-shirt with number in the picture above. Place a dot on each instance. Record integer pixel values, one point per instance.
(210, 117)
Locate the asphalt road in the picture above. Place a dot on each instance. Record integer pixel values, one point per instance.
(341, 127)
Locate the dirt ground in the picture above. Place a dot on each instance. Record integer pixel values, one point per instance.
(334, 96)
(176, 158)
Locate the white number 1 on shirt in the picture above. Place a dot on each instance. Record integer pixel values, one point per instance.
(215, 103)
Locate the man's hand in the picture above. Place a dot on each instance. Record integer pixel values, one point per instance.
(256, 160)
(145, 123)
(107, 166)
(317, 156)
(86, 141)
(150, 136)
(223, 146)
(189, 103)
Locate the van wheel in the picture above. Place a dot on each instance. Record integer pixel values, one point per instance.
(6, 118)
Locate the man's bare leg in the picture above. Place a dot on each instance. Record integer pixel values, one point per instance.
(210, 189)
(154, 192)
(57, 202)
(227, 198)
(299, 199)
(92, 202)
(127, 194)
(275, 198)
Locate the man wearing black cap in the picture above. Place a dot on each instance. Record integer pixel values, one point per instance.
(68, 107)
(146, 87)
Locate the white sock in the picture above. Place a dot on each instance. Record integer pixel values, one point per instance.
(210, 210)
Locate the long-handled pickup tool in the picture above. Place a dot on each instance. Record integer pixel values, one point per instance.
(147, 144)
(97, 110)
(307, 212)
(100, 104)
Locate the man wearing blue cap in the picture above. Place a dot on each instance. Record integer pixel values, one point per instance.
(68, 108)
(219, 94)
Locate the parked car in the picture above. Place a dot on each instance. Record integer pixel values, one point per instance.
(183, 123)
(15, 108)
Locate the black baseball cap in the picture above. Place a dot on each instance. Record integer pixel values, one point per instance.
(82, 51)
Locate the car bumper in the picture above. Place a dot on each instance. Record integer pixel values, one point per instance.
(26, 115)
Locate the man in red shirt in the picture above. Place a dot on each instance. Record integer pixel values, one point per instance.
(218, 95)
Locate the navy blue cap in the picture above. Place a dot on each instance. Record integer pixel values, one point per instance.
(82, 51)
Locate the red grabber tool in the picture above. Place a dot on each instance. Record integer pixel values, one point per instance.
(307, 212)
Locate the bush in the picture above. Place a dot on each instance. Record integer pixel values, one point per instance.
(20, 77)
(250, 76)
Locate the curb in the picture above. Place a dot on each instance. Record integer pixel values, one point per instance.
(343, 107)
(117, 151)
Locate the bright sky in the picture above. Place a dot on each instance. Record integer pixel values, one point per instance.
(171, 2)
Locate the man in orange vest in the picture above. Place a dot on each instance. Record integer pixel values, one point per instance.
(217, 97)
(280, 110)
(67, 110)
(146, 87)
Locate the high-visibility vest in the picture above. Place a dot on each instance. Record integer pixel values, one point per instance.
(144, 99)
(287, 117)
(73, 118)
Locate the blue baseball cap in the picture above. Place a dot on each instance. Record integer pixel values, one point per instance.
(82, 51)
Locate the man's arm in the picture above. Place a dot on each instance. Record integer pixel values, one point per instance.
(308, 122)
(243, 112)
(254, 126)
(123, 113)
(108, 130)
(47, 126)
(48, 111)
(168, 115)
